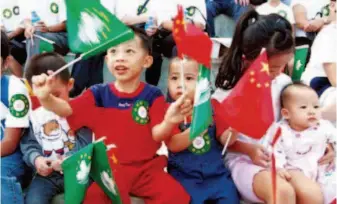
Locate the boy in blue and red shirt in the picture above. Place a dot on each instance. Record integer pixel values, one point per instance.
(132, 116)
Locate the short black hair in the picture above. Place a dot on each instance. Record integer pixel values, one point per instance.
(5, 51)
(40, 64)
(146, 40)
(285, 91)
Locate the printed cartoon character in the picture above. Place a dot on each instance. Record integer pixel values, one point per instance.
(71, 137)
(54, 138)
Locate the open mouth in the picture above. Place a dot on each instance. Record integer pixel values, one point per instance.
(121, 69)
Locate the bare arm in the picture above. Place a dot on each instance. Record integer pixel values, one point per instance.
(330, 70)
(300, 14)
(15, 33)
(180, 141)
(162, 131)
(10, 141)
(242, 147)
(58, 27)
(131, 20)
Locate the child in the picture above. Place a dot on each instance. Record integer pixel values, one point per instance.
(14, 110)
(51, 138)
(303, 142)
(132, 116)
(252, 33)
(197, 164)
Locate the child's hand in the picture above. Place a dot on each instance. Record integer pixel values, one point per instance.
(56, 164)
(179, 110)
(284, 174)
(260, 156)
(42, 85)
(43, 166)
(225, 135)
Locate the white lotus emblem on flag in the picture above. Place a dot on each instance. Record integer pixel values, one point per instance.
(298, 64)
(82, 175)
(89, 27)
(203, 92)
(108, 182)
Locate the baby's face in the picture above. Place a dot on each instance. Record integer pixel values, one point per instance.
(190, 79)
(303, 110)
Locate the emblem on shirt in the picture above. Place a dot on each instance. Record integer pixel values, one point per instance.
(19, 105)
(54, 8)
(190, 11)
(16, 10)
(200, 144)
(283, 13)
(7, 13)
(140, 112)
(139, 9)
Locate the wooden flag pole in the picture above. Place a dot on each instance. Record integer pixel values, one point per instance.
(182, 81)
(226, 144)
(67, 65)
(44, 39)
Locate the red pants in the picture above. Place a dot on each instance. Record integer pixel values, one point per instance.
(148, 181)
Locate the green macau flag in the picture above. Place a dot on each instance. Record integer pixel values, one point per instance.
(299, 62)
(202, 110)
(102, 174)
(76, 169)
(92, 29)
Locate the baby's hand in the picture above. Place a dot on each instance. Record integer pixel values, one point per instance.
(56, 164)
(284, 174)
(43, 166)
(179, 110)
(42, 85)
(260, 156)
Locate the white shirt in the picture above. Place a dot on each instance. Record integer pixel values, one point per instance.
(11, 14)
(51, 12)
(16, 115)
(301, 150)
(277, 85)
(281, 9)
(125, 8)
(323, 50)
(195, 14)
(313, 7)
(52, 132)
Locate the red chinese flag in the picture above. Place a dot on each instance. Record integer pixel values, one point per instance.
(191, 42)
(249, 108)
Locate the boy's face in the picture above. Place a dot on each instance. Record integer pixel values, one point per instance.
(302, 108)
(278, 62)
(61, 89)
(190, 79)
(127, 60)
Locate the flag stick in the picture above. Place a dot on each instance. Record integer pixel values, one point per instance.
(226, 144)
(44, 39)
(182, 81)
(31, 40)
(88, 52)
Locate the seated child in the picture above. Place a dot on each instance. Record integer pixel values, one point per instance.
(303, 141)
(131, 115)
(51, 138)
(198, 164)
(14, 108)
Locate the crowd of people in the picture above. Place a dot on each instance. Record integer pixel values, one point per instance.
(46, 119)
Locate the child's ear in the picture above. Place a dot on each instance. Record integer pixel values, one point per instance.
(148, 61)
(71, 83)
(285, 113)
(6, 63)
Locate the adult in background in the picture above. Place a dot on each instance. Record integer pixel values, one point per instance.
(45, 18)
(11, 23)
(320, 72)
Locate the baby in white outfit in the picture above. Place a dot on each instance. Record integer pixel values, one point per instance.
(303, 141)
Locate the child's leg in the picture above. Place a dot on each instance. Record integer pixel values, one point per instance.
(254, 183)
(156, 186)
(307, 190)
(262, 185)
(11, 191)
(42, 190)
